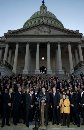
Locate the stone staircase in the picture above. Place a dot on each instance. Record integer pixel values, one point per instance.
(79, 68)
(6, 69)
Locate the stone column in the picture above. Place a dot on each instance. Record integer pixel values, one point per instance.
(76, 56)
(9, 57)
(37, 71)
(60, 70)
(56, 60)
(49, 71)
(15, 59)
(25, 71)
(0, 54)
(29, 66)
(70, 59)
(12, 59)
(5, 53)
(80, 52)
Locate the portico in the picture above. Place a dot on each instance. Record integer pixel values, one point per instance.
(54, 62)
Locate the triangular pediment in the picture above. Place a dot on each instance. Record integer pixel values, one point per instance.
(44, 30)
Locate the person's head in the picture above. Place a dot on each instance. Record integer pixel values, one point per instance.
(54, 89)
(23, 89)
(67, 92)
(31, 91)
(43, 90)
(76, 89)
(10, 90)
(28, 90)
(64, 96)
(6, 90)
(19, 89)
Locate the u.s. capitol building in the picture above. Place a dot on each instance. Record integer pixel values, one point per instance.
(42, 44)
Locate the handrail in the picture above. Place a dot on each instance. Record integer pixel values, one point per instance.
(8, 65)
(81, 63)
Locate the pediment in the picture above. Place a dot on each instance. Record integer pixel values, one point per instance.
(44, 30)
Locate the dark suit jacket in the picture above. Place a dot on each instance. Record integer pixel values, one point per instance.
(6, 99)
(17, 100)
(29, 101)
(55, 99)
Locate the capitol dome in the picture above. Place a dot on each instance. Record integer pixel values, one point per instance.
(43, 17)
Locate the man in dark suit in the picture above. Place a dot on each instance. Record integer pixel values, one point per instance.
(6, 108)
(55, 106)
(24, 105)
(29, 106)
(82, 106)
(17, 101)
(75, 103)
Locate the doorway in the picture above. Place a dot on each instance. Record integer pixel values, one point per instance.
(43, 70)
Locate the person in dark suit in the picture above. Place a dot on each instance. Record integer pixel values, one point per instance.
(0, 103)
(55, 106)
(24, 105)
(29, 106)
(82, 106)
(75, 103)
(6, 108)
(17, 101)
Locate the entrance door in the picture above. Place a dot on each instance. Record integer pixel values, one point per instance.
(43, 70)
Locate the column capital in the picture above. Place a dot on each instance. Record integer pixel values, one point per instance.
(27, 42)
(80, 42)
(48, 42)
(17, 43)
(69, 43)
(6, 43)
(58, 42)
(38, 43)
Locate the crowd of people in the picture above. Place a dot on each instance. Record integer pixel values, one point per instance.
(63, 100)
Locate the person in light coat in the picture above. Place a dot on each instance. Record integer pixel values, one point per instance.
(65, 109)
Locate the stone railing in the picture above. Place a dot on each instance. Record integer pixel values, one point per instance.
(80, 64)
(1, 63)
(8, 65)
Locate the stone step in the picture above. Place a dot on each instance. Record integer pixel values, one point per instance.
(5, 71)
(78, 71)
(22, 127)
